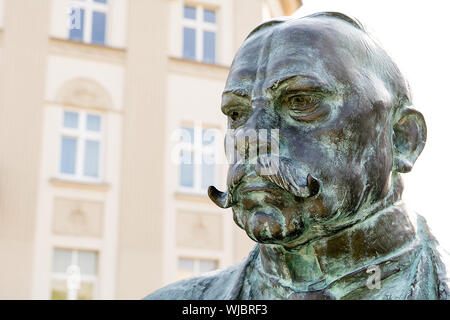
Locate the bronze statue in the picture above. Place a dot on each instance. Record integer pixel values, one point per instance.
(322, 195)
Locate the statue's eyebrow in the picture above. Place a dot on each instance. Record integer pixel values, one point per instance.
(300, 83)
(237, 92)
(232, 98)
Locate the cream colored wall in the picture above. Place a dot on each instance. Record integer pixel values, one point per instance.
(22, 70)
(194, 96)
(151, 95)
(116, 21)
(60, 18)
(190, 99)
(274, 8)
(246, 16)
(62, 69)
(142, 199)
(108, 197)
(2, 12)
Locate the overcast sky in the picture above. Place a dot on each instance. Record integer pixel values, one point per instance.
(416, 35)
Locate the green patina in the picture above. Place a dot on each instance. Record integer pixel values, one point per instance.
(331, 213)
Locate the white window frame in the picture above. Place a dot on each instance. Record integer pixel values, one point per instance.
(82, 134)
(198, 151)
(199, 25)
(83, 278)
(89, 7)
(196, 263)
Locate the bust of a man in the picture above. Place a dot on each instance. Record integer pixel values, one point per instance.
(322, 125)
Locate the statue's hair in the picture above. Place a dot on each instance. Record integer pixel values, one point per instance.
(383, 63)
(337, 15)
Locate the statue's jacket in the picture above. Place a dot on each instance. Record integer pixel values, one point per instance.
(411, 267)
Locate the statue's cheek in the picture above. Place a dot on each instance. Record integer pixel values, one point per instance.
(238, 217)
(293, 221)
(316, 208)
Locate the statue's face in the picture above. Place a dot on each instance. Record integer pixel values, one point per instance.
(305, 79)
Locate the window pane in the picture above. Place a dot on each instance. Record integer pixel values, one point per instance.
(187, 135)
(207, 265)
(187, 169)
(86, 291)
(76, 24)
(208, 137)
(98, 27)
(209, 46)
(189, 12)
(70, 119)
(186, 264)
(87, 261)
(188, 43)
(68, 155)
(209, 16)
(100, 1)
(185, 268)
(61, 260)
(208, 168)
(91, 158)
(59, 290)
(93, 122)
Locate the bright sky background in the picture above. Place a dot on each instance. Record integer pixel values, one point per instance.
(417, 35)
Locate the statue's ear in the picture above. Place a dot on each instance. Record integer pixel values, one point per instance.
(410, 134)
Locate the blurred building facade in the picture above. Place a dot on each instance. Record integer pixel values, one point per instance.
(93, 203)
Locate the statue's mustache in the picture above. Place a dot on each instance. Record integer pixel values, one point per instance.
(278, 170)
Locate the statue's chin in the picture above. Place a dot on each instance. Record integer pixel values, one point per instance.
(269, 226)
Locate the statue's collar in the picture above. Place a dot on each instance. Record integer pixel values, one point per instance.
(385, 234)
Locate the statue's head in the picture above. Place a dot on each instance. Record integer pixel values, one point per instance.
(321, 122)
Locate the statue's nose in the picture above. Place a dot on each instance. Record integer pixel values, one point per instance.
(254, 137)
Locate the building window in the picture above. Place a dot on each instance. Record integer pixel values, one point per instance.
(199, 34)
(74, 275)
(81, 145)
(197, 169)
(88, 21)
(193, 267)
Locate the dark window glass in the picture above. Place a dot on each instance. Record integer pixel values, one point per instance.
(188, 43)
(98, 27)
(189, 12)
(208, 169)
(209, 46)
(68, 155)
(187, 169)
(76, 24)
(70, 119)
(209, 16)
(91, 158)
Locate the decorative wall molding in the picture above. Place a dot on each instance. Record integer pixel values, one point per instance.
(198, 69)
(79, 185)
(87, 51)
(84, 92)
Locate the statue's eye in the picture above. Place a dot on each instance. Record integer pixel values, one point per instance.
(303, 102)
(306, 107)
(235, 115)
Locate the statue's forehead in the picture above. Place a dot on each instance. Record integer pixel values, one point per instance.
(282, 52)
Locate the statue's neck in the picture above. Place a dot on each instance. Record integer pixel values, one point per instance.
(314, 265)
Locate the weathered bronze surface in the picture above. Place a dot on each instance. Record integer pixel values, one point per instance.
(329, 221)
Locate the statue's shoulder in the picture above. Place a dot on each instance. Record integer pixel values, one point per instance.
(220, 284)
(203, 287)
(439, 256)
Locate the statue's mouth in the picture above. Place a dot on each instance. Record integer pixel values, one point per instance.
(278, 173)
(262, 187)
